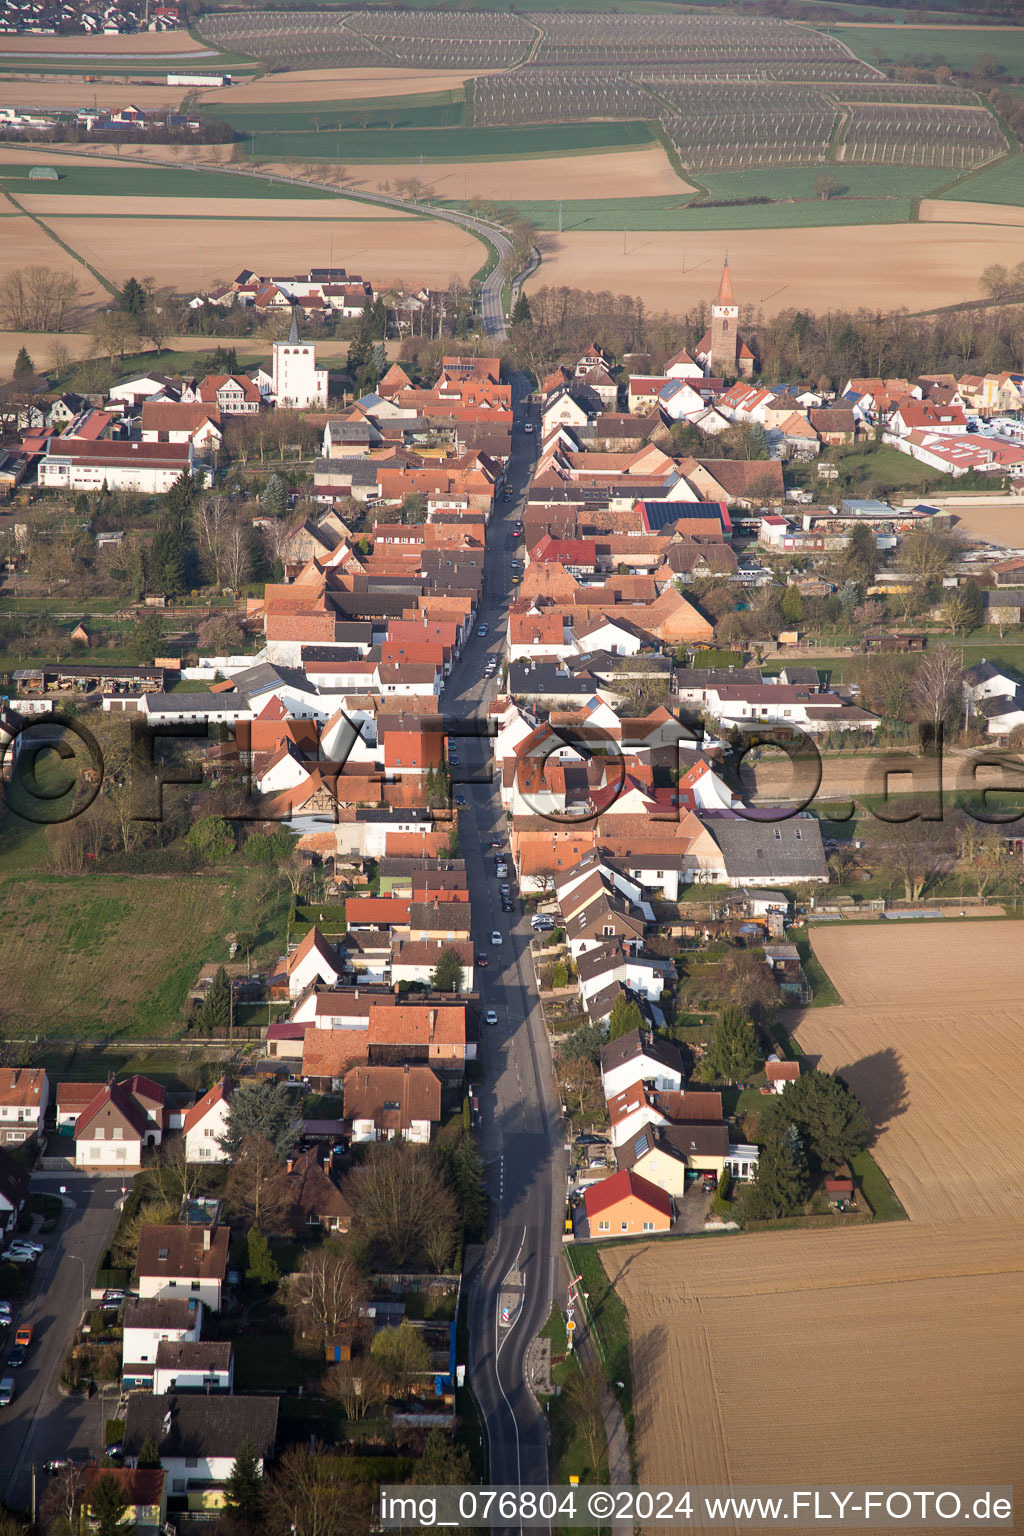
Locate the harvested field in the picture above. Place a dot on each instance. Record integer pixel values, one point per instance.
(128, 46)
(74, 963)
(617, 173)
(835, 1335)
(368, 84)
(44, 93)
(917, 999)
(774, 269)
(1001, 524)
(392, 249)
(23, 243)
(937, 211)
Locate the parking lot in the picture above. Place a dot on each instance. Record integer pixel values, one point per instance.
(40, 1423)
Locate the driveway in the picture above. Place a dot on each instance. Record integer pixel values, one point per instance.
(40, 1423)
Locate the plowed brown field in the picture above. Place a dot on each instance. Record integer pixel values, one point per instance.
(879, 1354)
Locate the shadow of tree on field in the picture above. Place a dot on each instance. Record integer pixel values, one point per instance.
(880, 1083)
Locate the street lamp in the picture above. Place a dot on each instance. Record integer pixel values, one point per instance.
(77, 1257)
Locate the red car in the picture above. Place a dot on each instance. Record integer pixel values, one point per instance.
(482, 960)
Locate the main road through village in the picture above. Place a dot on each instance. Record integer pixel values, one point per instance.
(520, 1125)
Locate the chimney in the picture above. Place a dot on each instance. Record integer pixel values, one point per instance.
(206, 1239)
(289, 1165)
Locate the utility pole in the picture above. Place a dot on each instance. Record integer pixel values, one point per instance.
(559, 215)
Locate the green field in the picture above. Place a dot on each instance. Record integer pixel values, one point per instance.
(798, 181)
(438, 109)
(1001, 183)
(145, 181)
(660, 213)
(356, 145)
(929, 46)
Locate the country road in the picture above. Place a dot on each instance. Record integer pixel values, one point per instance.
(521, 1129)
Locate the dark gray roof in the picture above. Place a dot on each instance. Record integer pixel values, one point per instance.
(203, 1355)
(194, 703)
(160, 1312)
(267, 674)
(800, 677)
(546, 680)
(994, 709)
(199, 1425)
(714, 677)
(682, 1141)
(636, 1044)
(755, 849)
(396, 813)
(346, 632)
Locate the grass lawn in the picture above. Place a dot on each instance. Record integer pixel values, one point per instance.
(856, 181)
(272, 1360)
(609, 1325)
(659, 213)
(356, 144)
(143, 181)
(877, 1190)
(926, 46)
(897, 471)
(434, 109)
(82, 955)
(1000, 183)
(825, 994)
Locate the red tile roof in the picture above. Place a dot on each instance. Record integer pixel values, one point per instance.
(604, 1196)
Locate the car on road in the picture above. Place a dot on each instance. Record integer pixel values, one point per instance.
(496, 842)
(460, 799)
(529, 427)
(27, 1242)
(6, 1391)
(57, 1464)
(517, 533)
(5, 1311)
(453, 759)
(506, 905)
(505, 889)
(24, 1335)
(495, 937)
(507, 496)
(21, 1256)
(490, 1017)
(16, 1358)
(482, 630)
(501, 871)
(482, 960)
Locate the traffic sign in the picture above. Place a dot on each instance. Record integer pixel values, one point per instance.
(570, 1326)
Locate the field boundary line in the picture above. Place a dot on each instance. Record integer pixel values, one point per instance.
(52, 235)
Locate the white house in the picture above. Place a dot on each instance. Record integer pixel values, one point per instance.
(24, 1095)
(183, 1262)
(120, 1120)
(295, 382)
(384, 1102)
(638, 1057)
(630, 1110)
(205, 1124)
(202, 1366)
(149, 1323)
(683, 366)
(313, 960)
(80, 464)
(680, 401)
(198, 1437)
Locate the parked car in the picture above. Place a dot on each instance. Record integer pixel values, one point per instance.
(460, 799)
(16, 1358)
(58, 1463)
(482, 630)
(490, 1017)
(27, 1242)
(24, 1335)
(114, 1298)
(21, 1256)
(504, 889)
(6, 1391)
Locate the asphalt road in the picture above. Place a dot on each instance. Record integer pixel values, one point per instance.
(40, 1423)
(521, 1130)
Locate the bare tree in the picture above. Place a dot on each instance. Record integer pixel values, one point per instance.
(359, 1385)
(324, 1294)
(212, 517)
(237, 556)
(938, 685)
(400, 1198)
(577, 1079)
(255, 1188)
(586, 1390)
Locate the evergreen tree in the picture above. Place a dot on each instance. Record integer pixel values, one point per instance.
(23, 364)
(180, 497)
(149, 1455)
(166, 562)
(274, 499)
(521, 313)
(214, 1016)
(243, 1490)
(830, 1118)
(146, 638)
(448, 973)
(132, 298)
(443, 1462)
(108, 1507)
(262, 1267)
(781, 1184)
(792, 605)
(732, 1052)
(224, 360)
(624, 1018)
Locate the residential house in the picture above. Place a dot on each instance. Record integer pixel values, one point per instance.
(384, 1102)
(113, 1128)
(763, 852)
(143, 1489)
(147, 1324)
(639, 1057)
(198, 1366)
(779, 1073)
(198, 1439)
(189, 1262)
(672, 1156)
(13, 1190)
(24, 1095)
(627, 1205)
(312, 960)
(206, 1123)
(314, 1201)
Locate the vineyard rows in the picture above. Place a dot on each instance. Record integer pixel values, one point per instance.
(629, 39)
(713, 141)
(554, 95)
(416, 40)
(927, 136)
(937, 95)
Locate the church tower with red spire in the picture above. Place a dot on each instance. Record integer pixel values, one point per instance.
(722, 351)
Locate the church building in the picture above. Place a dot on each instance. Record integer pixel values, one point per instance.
(722, 351)
(294, 381)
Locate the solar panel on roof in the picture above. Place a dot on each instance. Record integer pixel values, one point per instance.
(641, 1145)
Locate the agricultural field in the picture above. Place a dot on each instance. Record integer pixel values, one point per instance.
(1002, 183)
(916, 998)
(938, 212)
(434, 40)
(629, 173)
(162, 45)
(777, 268)
(958, 47)
(138, 181)
(839, 1330)
(79, 960)
(23, 243)
(639, 214)
(998, 524)
(956, 138)
(444, 144)
(402, 249)
(312, 86)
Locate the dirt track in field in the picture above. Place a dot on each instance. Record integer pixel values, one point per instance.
(342, 85)
(879, 1354)
(916, 266)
